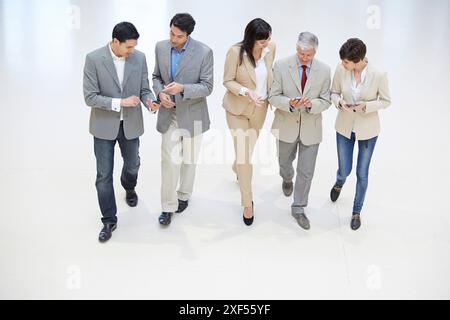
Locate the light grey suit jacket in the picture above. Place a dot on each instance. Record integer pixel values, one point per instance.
(101, 85)
(287, 125)
(195, 72)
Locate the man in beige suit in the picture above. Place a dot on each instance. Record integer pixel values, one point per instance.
(300, 92)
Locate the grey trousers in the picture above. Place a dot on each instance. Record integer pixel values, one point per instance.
(306, 164)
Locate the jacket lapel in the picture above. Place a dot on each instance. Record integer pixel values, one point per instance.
(367, 82)
(109, 65)
(187, 57)
(250, 68)
(347, 86)
(312, 76)
(293, 70)
(130, 66)
(268, 60)
(166, 54)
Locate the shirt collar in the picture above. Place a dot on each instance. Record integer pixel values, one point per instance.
(308, 66)
(264, 53)
(363, 73)
(184, 47)
(114, 57)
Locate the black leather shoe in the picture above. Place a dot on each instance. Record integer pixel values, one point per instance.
(335, 192)
(356, 221)
(287, 187)
(182, 205)
(106, 232)
(165, 218)
(131, 198)
(249, 221)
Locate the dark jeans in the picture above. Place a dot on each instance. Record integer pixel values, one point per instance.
(345, 156)
(104, 153)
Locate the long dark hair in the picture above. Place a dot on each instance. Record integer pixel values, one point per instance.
(257, 29)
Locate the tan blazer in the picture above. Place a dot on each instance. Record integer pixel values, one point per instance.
(237, 76)
(375, 93)
(287, 125)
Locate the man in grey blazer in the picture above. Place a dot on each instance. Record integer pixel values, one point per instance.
(182, 79)
(300, 92)
(115, 83)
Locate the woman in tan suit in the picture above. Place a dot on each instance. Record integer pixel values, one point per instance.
(248, 77)
(358, 91)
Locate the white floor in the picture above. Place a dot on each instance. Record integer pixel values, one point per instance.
(48, 208)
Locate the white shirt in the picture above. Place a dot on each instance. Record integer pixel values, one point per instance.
(356, 88)
(119, 64)
(261, 76)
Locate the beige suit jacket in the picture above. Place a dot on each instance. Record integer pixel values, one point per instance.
(237, 76)
(375, 93)
(287, 125)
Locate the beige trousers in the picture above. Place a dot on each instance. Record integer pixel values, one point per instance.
(245, 130)
(179, 156)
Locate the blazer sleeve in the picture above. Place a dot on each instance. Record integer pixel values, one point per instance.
(384, 97)
(276, 96)
(336, 91)
(323, 102)
(158, 84)
(230, 71)
(205, 86)
(146, 93)
(91, 89)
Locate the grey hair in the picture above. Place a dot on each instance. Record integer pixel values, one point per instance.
(307, 40)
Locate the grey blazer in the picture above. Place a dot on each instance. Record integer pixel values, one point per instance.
(287, 125)
(195, 72)
(101, 85)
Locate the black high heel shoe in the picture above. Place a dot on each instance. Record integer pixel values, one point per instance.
(249, 221)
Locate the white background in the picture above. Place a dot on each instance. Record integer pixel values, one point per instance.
(49, 215)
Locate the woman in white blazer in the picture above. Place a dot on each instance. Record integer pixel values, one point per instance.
(358, 91)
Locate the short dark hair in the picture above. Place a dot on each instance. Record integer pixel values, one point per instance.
(353, 50)
(125, 31)
(184, 22)
(257, 29)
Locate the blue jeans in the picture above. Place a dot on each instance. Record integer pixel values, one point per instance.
(345, 157)
(104, 153)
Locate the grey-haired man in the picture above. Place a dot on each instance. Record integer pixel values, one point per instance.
(300, 93)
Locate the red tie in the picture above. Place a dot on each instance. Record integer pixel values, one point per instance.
(304, 78)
